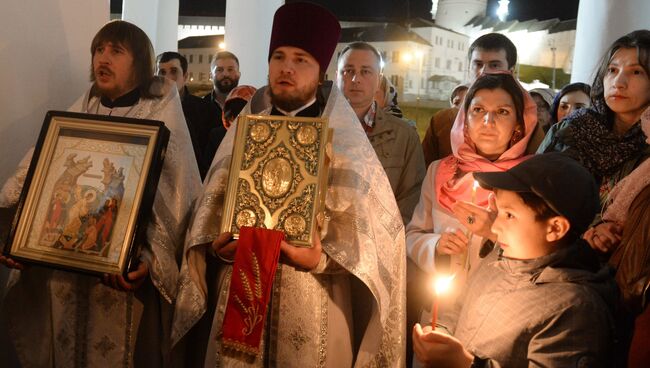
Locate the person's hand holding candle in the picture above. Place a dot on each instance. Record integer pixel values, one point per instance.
(436, 349)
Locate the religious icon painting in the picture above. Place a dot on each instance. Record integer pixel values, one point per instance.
(278, 176)
(88, 192)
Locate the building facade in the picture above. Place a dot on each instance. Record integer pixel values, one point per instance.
(199, 51)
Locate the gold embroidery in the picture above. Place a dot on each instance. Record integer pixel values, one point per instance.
(324, 316)
(298, 338)
(252, 312)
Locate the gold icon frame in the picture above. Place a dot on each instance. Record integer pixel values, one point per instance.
(101, 233)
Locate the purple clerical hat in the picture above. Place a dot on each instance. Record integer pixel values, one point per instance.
(307, 26)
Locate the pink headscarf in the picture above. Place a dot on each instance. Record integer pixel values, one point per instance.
(449, 187)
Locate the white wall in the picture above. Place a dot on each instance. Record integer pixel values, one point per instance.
(248, 32)
(195, 67)
(45, 58)
(600, 23)
(185, 31)
(454, 14)
(157, 18)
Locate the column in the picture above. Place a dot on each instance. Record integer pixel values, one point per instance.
(601, 22)
(157, 18)
(45, 54)
(248, 32)
(45, 51)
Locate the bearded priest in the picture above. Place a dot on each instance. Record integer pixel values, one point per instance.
(339, 303)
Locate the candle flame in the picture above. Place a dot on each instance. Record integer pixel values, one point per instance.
(476, 185)
(442, 283)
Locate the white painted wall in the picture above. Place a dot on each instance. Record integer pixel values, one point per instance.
(185, 31)
(200, 64)
(454, 14)
(248, 32)
(157, 18)
(601, 22)
(45, 58)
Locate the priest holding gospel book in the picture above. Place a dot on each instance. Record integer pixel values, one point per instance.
(337, 303)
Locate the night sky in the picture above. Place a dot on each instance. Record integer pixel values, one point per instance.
(394, 10)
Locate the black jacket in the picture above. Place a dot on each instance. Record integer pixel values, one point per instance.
(200, 119)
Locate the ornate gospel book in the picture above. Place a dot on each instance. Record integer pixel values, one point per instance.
(278, 176)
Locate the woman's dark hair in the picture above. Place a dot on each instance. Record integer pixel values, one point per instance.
(639, 40)
(134, 39)
(582, 87)
(503, 81)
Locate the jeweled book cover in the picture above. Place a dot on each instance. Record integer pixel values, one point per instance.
(278, 175)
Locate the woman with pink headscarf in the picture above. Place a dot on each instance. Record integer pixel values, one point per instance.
(451, 223)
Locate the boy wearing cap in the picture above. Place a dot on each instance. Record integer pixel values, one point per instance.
(540, 298)
(339, 303)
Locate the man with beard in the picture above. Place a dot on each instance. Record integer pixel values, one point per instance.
(224, 71)
(339, 303)
(63, 319)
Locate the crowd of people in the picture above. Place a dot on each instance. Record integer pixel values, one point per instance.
(536, 203)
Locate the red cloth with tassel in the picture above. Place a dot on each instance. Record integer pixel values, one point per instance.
(256, 260)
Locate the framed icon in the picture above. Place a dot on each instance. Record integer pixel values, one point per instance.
(88, 192)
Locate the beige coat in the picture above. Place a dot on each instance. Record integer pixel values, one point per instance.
(398, 148)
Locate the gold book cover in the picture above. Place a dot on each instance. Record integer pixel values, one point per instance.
(278, 176)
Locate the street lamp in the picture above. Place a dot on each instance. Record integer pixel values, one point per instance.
(420, 56)
(502, 11)
(407, 58)
(551, 43)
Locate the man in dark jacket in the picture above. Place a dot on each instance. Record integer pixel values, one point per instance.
(197, 112)
(224, 72)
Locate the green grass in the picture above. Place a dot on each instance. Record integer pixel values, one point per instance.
(528, 73)
(421, 115)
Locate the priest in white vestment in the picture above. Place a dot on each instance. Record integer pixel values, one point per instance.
(62, 319)
(340, 303)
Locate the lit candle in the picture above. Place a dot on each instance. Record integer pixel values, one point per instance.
(440, 285)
